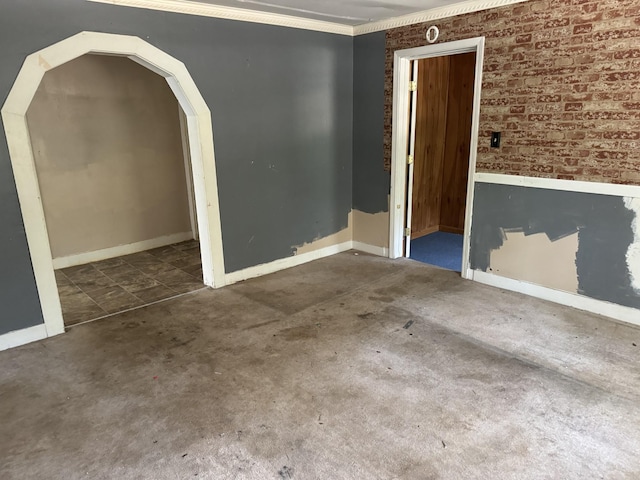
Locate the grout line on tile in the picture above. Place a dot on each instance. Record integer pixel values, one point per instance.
(117, 283)
(86, 294)
(137, 308)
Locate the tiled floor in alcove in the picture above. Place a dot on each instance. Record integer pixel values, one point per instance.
(101, 288)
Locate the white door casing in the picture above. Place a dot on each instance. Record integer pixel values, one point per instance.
(400, 134)
(412, 153)
(200, 135)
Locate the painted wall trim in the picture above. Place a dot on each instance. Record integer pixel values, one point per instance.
(612, 310)
(430, 15)
(556, 184)
(120, 250)
(22, 337)
(253, 16)
(231, 13)
(200, 132)
(295, 260)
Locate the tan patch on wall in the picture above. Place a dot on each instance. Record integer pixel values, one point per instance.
(371, 228)
(344, 235)
(107, 145)
(561, 81)
(536, 259)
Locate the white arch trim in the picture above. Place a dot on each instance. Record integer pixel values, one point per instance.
(22, 160)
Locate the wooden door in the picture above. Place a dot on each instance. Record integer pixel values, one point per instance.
(457, 142)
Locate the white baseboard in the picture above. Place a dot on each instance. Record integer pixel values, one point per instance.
(22, 337)
(118, 251)
(284, 263)
(372, 249)
(295, 260)
(600, 307)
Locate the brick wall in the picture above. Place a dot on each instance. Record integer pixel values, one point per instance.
(561, 81)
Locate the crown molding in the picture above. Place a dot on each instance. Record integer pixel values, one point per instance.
(461, 8)
(231, 13)
(244, 15)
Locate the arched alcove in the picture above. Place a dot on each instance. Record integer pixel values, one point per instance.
(200, 136)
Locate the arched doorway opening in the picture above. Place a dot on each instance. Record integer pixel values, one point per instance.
(200, 148)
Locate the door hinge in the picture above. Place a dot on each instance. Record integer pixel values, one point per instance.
(413, 86)
(407, 232)
(409, 159)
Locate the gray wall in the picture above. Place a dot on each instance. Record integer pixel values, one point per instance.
(603, 224)
(370, 181)
(282, 107)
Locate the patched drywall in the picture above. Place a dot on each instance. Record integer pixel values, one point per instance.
(536, 259)
(371, 228)
(368, 228)
(107, 145)
(603, 224)
(344, 235)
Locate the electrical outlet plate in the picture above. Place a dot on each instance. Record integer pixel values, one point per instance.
(495, 139)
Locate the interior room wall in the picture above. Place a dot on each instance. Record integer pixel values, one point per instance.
(560, 81)
(106, 139)
(281, 102)
(572, 241)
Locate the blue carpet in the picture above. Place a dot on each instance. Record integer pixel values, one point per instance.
(440, 249)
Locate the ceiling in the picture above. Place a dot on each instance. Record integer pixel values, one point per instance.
(345, 12)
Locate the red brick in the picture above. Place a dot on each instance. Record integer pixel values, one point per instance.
(537, 117)
(631, 53)
(573, 107)
(548, 98)
(634, 135)
(580, 29)
(557, 22)
(605, 154)
(616, 34)
(547, 44)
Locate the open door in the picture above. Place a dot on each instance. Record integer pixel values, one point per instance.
(403, 69)
(410, 157)
(439, 145)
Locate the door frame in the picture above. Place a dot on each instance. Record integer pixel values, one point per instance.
(199, 130)
(400, 136)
